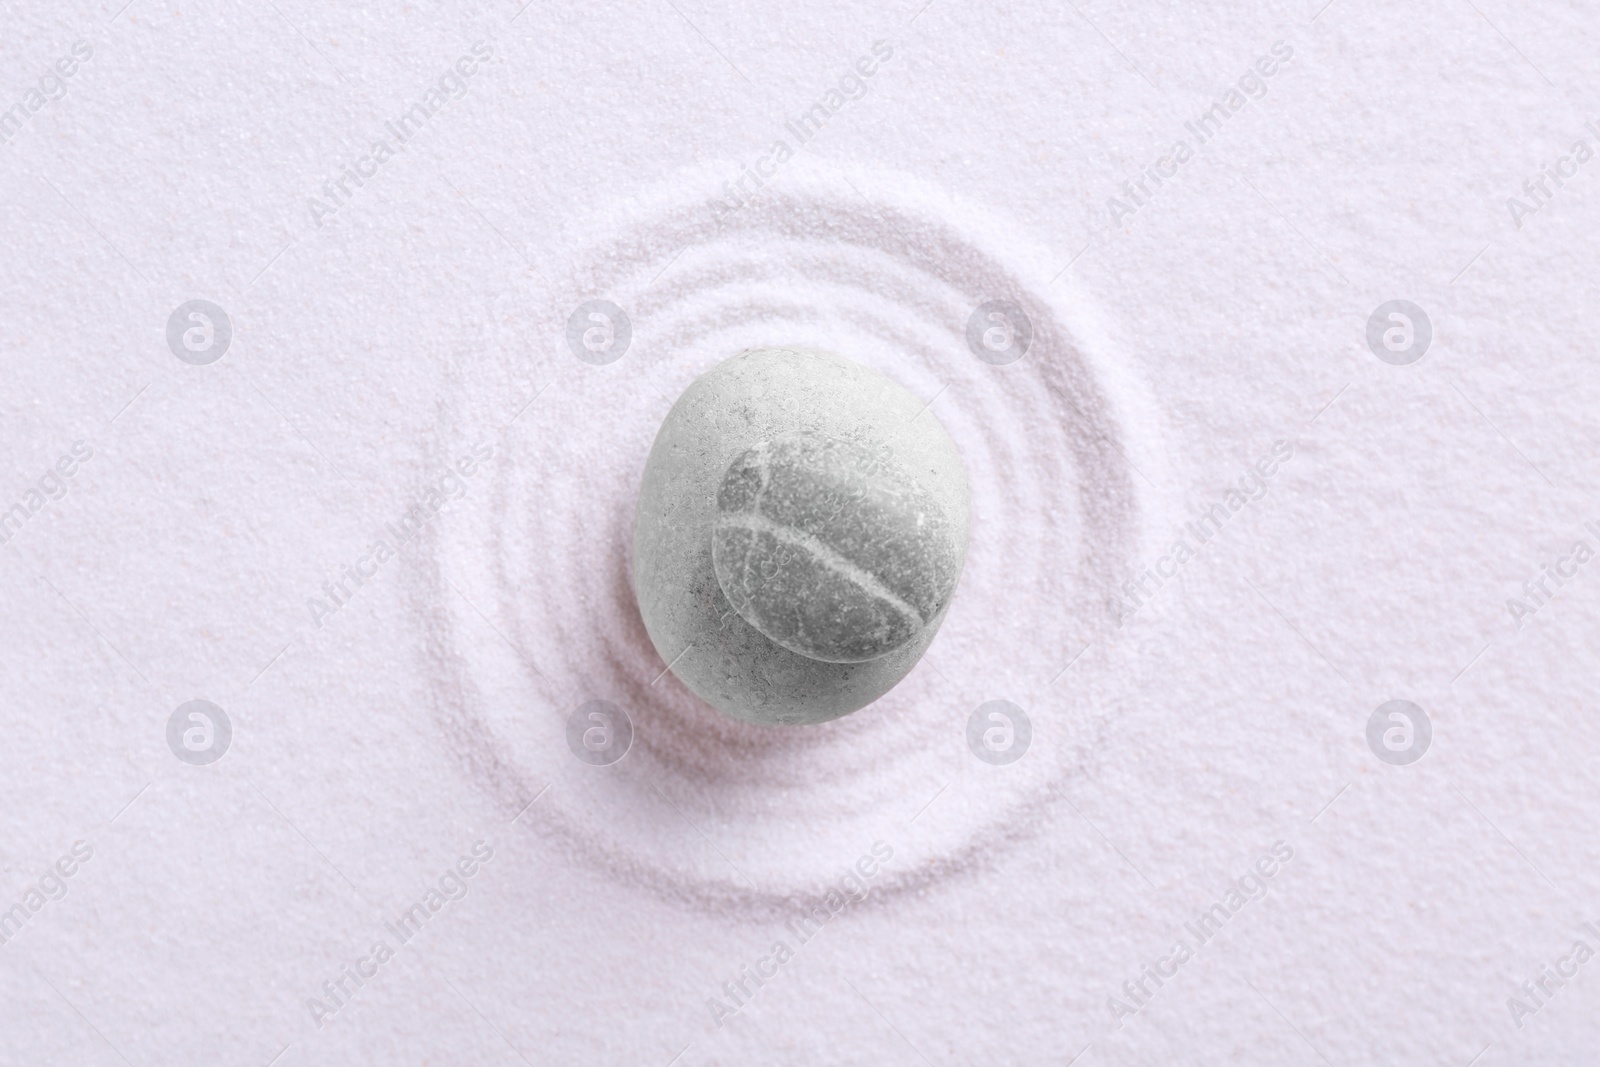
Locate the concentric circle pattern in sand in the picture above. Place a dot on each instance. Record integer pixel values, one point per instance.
(730, 815)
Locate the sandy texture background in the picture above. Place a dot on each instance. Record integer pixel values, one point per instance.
(397, 369)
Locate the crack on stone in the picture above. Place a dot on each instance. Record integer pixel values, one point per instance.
(756, 524)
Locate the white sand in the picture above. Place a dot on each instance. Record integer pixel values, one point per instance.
(378, 738)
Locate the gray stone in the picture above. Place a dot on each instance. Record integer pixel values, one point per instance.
(830, 550)
(801, 528)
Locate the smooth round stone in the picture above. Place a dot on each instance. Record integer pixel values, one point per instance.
(801, 528)
(831, 550)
